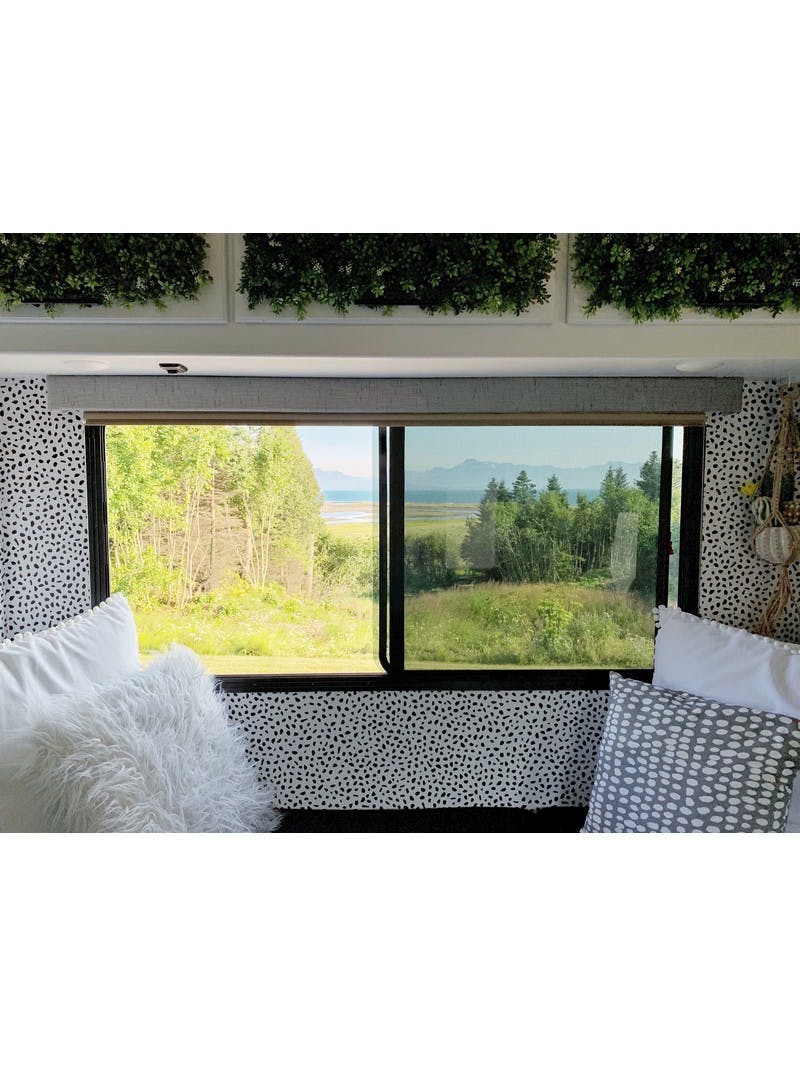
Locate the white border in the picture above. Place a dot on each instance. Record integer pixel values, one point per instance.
(211, 305)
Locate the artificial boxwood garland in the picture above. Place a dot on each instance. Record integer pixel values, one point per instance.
(657, 275)
(439, 272)
(101, 268)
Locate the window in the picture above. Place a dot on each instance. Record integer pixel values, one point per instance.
(424, 555)
(254, 545)
(532, 546)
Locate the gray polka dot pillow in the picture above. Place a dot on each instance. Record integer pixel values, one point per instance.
(671, 762)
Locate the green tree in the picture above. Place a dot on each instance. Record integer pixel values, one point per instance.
(646, 511)
(277, 498)
(612, 500)
(478, 547)
(503, 493)
(554, 486)
(553, 518)
(343, 565)
(517, 538)
(134, 496)
(649, 480)
(512, 541)
(190, 459)
(586, 538)
(426, 563)
(158, 479)
(523, 491)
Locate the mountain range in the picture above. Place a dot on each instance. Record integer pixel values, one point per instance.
(474, 475)
(336, 480)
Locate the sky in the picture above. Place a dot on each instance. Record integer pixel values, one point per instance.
(350, 449)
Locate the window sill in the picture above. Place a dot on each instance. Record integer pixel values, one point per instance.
(435, 681)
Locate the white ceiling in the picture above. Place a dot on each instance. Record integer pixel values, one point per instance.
(38, 363)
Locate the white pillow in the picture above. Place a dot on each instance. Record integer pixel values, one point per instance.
(732, 666)
(724, 663)
(152, 752)
(90, 649)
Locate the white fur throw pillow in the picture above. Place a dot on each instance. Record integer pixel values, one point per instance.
(154, 752)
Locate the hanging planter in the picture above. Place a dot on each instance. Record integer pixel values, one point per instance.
(777, 544)
(492, 273)
(101, 268)
(659, 275)
(776, 508)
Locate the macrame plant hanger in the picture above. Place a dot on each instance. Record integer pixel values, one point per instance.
(777, 540)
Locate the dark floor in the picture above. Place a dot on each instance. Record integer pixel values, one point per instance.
(436, 821)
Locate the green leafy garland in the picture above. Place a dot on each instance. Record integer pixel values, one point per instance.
(440, 272)
(657, 275)
(101, 268)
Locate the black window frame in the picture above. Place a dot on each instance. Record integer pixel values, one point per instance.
(391, 598)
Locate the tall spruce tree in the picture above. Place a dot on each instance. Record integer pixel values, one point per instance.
(649, 480)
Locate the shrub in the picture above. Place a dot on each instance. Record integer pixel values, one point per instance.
(345, 565)
(426, 563)
(101, 268)
(657, 275)
(440, 272)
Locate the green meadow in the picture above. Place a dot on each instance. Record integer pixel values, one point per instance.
(489, 624)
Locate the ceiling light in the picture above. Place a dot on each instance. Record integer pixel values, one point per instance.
(86, 364)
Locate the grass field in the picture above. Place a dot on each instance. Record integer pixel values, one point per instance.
(354, 531)
(423, 517)
(507, 626)
(489, 625)
(246, 625)
(239, 630)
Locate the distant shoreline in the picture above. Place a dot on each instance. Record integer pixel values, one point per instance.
(438, 498)
(338, 512)
(335, 512)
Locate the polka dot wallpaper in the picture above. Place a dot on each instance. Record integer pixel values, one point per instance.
(365, 749)
(44, 542)
(424, 749)
(734, 583)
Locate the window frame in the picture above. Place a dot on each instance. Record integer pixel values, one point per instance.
(391, 623)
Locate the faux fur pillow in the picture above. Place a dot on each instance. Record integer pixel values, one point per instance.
(154, 752)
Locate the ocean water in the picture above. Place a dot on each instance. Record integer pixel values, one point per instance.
(349, 496)
(429, 496)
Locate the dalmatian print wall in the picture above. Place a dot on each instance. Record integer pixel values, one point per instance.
(424, 749)
(734, 583)
(366, 749)
(44, 541)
